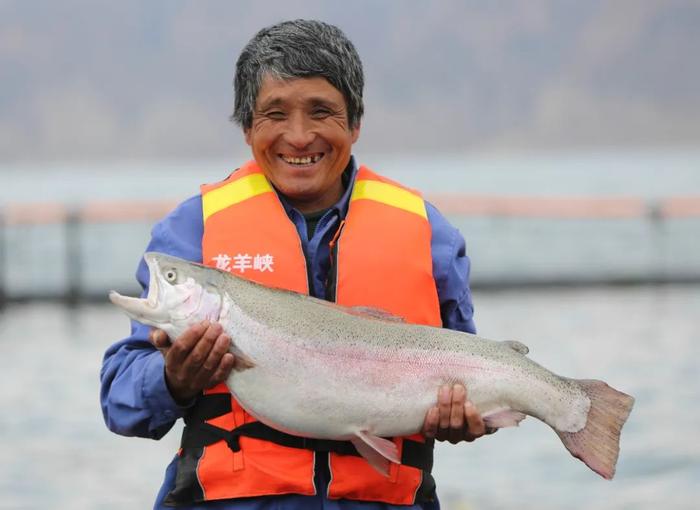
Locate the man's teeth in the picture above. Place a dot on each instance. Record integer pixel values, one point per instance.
(305, 160)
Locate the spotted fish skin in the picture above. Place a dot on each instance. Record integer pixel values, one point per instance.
(316, 369)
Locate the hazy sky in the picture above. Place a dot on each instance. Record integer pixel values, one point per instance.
(103, 80)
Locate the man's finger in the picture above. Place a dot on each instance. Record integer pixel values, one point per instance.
(430, 425)
(457, 407)
(159, 339)
(223, 370)
(203, 377)
(220, 347)
(185, 343)
(444, 406)
(456, 432)
(199, 353)
(475, 423)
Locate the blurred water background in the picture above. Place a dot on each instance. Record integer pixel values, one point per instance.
(505, 248)
(643, 339)
(471, 102)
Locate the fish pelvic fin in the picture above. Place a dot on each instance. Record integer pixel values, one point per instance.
(598, 443)
(379, 452)
(502, 418)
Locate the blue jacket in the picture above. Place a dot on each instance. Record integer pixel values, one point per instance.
(134, 396)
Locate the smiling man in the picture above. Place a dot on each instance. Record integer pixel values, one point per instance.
(300, 215)
(302, 138)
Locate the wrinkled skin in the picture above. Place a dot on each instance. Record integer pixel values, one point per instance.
(299, 118)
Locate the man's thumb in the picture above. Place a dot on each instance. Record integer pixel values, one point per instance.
(159, 339)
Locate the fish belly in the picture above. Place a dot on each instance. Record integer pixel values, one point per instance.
(323, 402)
(314, 388)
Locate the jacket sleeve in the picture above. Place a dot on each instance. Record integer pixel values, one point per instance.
(451, 267)
(134, 396)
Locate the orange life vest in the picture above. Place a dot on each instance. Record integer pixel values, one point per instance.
(382, 260)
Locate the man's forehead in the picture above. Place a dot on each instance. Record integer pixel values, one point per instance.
(276, 91)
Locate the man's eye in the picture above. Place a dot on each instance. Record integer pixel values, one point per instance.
(320, 113)
(275, 115)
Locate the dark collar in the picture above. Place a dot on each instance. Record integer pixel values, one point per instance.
(341, 206)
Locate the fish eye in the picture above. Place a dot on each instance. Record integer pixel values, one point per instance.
(171, 275)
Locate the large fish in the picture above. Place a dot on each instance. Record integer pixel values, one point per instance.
(315, 369)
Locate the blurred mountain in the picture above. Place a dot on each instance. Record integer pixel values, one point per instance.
(86, 80)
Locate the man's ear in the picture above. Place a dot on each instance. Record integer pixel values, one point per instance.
(355, 133)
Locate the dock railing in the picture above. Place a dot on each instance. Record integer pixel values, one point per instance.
(72, 220)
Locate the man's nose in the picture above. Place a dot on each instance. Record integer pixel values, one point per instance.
(299, 133)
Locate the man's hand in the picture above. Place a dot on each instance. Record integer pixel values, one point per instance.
(454, 418)
(197, 360)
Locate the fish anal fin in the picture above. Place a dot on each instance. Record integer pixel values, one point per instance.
(502, 418)
(379, 452)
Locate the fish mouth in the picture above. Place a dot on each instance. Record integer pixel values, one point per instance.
(148, 310)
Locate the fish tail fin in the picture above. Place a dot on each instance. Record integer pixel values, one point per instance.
(598, 443)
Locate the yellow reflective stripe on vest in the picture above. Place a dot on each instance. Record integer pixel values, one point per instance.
(234, 192)
(390, 195)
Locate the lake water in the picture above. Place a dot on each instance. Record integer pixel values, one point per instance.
(645, 341)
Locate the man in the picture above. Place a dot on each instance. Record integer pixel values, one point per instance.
(301, 216)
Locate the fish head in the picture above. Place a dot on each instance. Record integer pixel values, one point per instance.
(180, 294)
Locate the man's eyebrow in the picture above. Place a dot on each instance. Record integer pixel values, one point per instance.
(322, 101)
(276, 102)
(271, 103)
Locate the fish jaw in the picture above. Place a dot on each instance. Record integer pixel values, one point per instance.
(139, 309)
(173, 303)
(151, 309)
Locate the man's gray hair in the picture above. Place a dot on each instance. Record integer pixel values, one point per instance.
(298, 49)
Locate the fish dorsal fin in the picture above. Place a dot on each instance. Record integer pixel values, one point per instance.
(517, 346)
(376, 313)
(365, 311)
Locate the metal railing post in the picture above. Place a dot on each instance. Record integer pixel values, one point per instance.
(657, 240)
(3, 262)
(74, 261)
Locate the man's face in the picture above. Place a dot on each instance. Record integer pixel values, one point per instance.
(301, 139)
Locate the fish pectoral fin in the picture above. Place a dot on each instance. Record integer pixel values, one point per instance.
(241, 361)
(502, 418)
(376, 450)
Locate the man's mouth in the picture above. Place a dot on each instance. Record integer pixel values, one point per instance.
(308, 159)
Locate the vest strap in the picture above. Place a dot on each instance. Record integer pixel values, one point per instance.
(198, 434)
